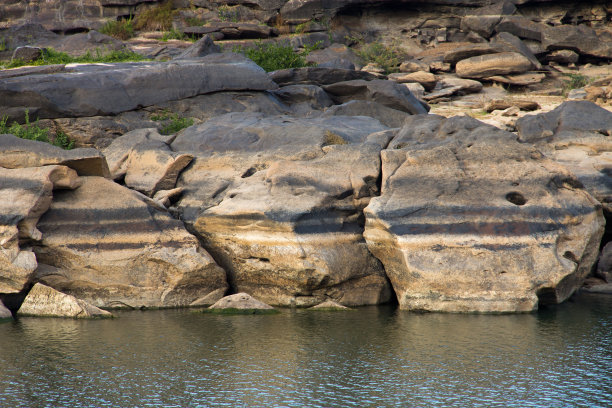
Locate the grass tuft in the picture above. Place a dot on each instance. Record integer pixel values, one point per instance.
(32, 131)
(388, 58)
(158, 18)
(122, 30)
(50, 56)
(172, 122)
(272, 57)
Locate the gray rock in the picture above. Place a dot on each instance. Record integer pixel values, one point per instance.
(392, 118)
(317, 76)
(108, 89)
(472, 50)
(26, 53)
(329, 57)
(521, 27)
(469, 220)
(485, 66)
(4, 312)
(578, 94)
(48, 302)
(577, 135)
(563, 57)
(484, 19)
(581, 39)
(387, 93)
(240, 301)
(200, 48)
(337, 64)
(304, 97)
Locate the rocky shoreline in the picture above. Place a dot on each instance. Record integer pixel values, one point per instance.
(335, 182)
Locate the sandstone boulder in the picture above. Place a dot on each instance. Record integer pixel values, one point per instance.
(493, 64)
(469, 220)
(304, 98)
(112, 247)
(484, 19)
(521, 27)
(144, 161)
(426, 79)
(277, 200)
(26, 195)
(392, 118)
(329, 305)
(108, 89)
(582, 39)
(387, 93)
(45, 301)
(510, 42)
(19, 153)
(200, 48)
(455, 55)
(577, 135)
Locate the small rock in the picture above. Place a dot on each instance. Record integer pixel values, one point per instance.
(417, 89)
(373, 68)
(563, 57)
(329, 305)
(529, 78)
(577, 94)
(200, 48)
(511, 111)
(241, 303)
(26, 54)
(427, 79)
(501, 104)
(413, 66)
(45, 301)
(164, 197)
(4, 312)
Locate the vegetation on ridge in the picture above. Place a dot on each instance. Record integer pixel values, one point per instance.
(50, 56)
(33, 131)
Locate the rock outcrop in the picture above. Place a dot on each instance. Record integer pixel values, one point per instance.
(113, 247)
(240, 302)
(47, 302)
(471, 220)
(277, 200)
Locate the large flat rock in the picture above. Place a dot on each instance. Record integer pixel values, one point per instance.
(112, 247)
(277, 200)
(470, 220)
(109, 89)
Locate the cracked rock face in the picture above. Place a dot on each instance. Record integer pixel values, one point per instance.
(278, 201)
(469, 220)
(112, 247)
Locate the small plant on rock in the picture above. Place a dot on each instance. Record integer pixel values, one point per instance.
(33, 131)
(575, 81)
(172, 122)
(122, 30)
(388, 58)
(272, 57)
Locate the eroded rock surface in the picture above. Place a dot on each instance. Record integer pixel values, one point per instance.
(45, 301)
(277, 200)
(470, 220)
(112, 247)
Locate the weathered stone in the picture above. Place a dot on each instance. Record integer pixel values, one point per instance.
(332, 53)
(45, 301)
(19, 153)
(581, 39)
(26, 194)
(577, 135)
(165, 197)
(521, 27)
(469, 220)
(427, 79)
(465, 85)
(23, 71)
(392, 118)
(387, 93)
(330, 305)
(278, 202)
(472, 50)
(304, 98)
(27, 53)
(483, 20)
(240, 301)
(93, 42)
(501, 104)
(604, 265)
(112, 247)
(511, 42)
(143, 159)
(564, 57)
(317, 76)
(493, 64)
(578, 94)
(413, 66)
(529, 78)
(108, 89)
(200, 48)
(337, 64)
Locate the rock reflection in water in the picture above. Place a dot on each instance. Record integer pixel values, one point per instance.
(376, 356)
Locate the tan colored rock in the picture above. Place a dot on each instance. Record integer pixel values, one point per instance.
(427, 79)
(45, 301)
(469, 220)
(278, 201)
(502, 104)
(529, 78)
(18, 153)
(4, 312)
(330, 305)
(111, 247)
(413, 66)
(484, 66)
(240, 301)
(25, 194)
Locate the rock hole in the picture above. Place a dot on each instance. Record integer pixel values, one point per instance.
(515, 184)
(344, 194)
(516, 198)
(232, 195)
(250, 171)
(570, 255)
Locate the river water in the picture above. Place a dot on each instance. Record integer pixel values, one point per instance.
(371, 357)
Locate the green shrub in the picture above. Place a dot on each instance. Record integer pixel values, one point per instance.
(32, 131)
(228, 13)
(272, 57)
(388, 58)
(575, 81)
(173, 122)
(174, 34)
(122, 30)
(50, 56)
(158, 18)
